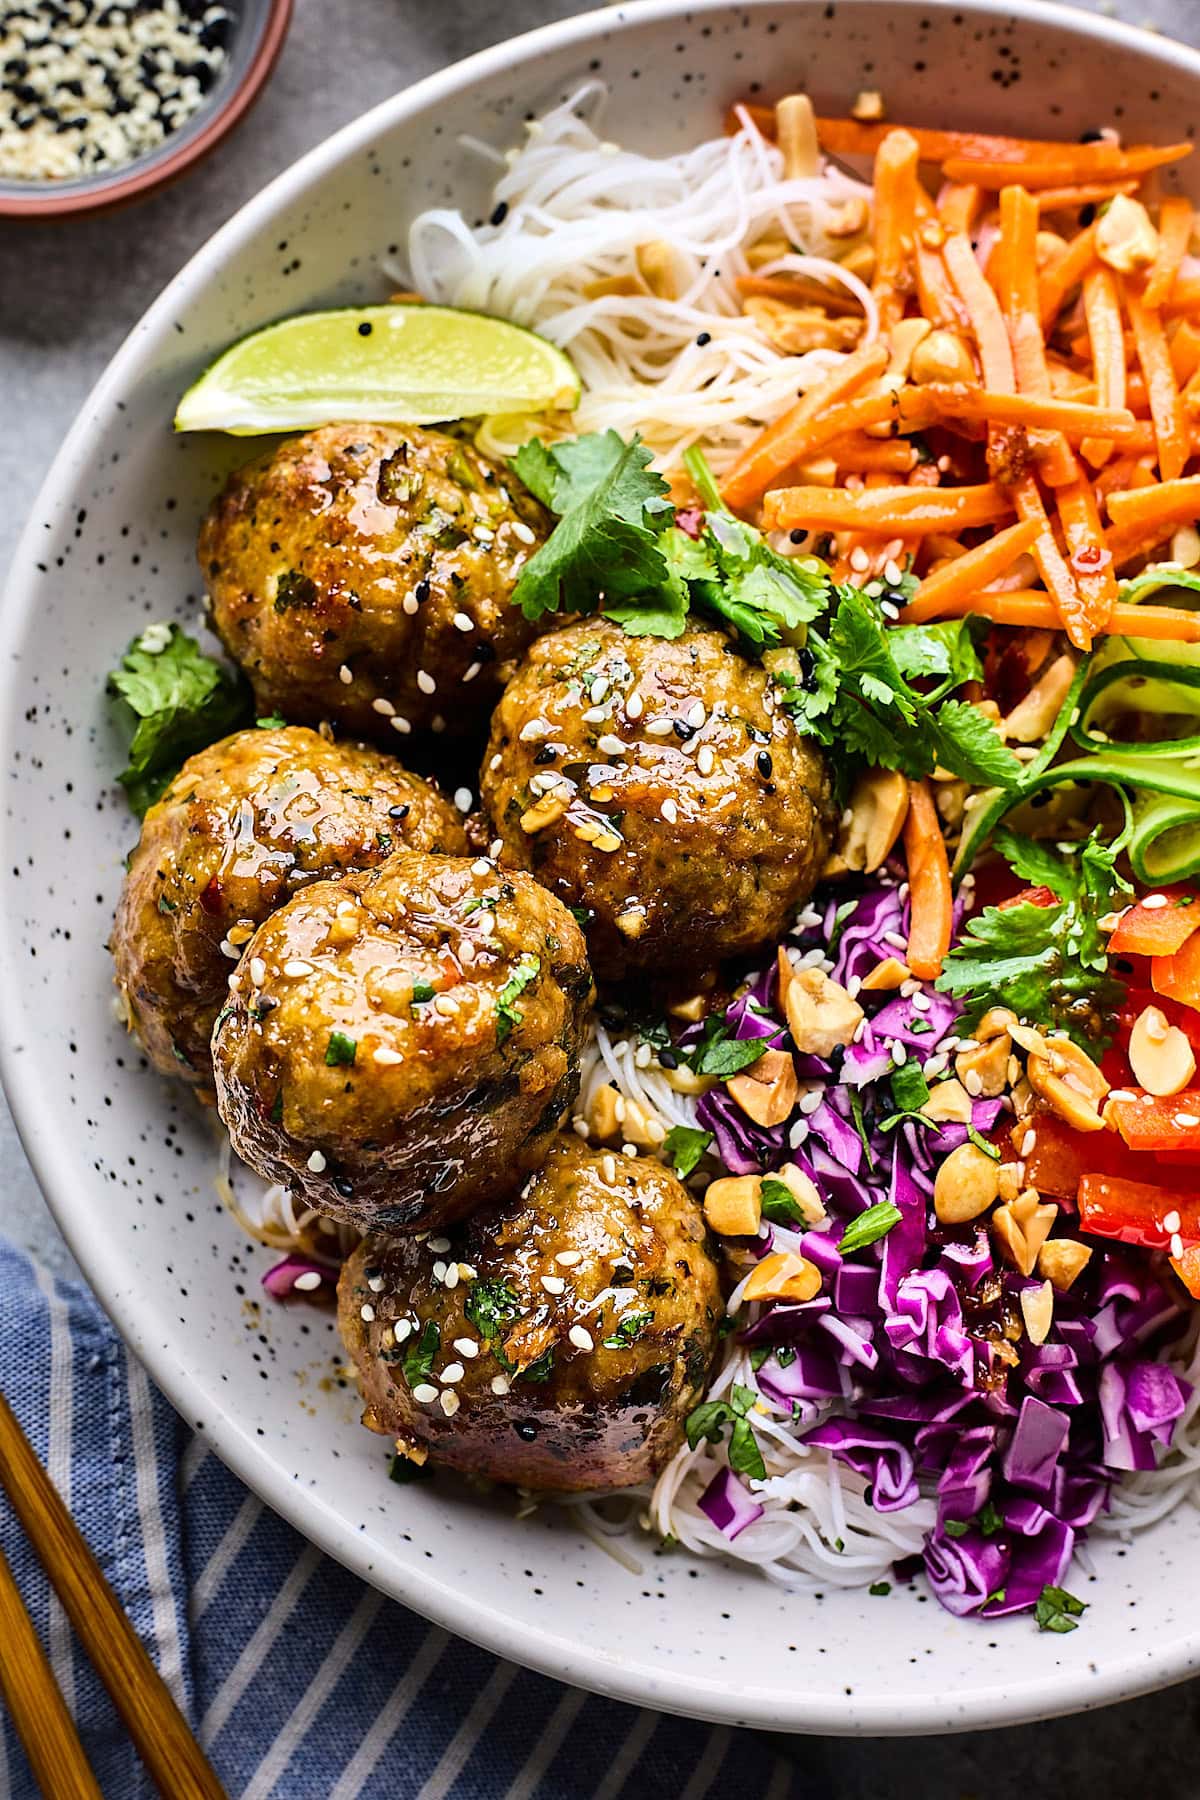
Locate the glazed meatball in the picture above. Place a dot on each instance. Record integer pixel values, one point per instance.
(400, 1046)
(575, 1335)
(243, 826)
(364, 573)
(655, 784)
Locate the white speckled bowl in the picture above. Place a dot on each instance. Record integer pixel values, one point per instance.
(127, 1163)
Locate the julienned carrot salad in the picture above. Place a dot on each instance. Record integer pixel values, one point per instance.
(814, 978)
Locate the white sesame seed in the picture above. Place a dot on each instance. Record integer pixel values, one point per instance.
(1186, 1121)
(1153, 901)
(452, 1274)
(628, 1149)
(425, 682)
(438, 1245)
(227, 949)
(533, 730)
(810, 1101)
(554, 1284)
(634, 706)
(439, 1271)
(705, 759)
(1028, 1143)
(466, 1347)
(581, 1128)
(386, 1056)
(499, 1384)
(380, 705)
(660, 728)
(1176, 1244)
(568, 1258)
(895, 940)
(376, 1284)
(581, 1337)
(669, 811)
(452, 1372)
(798, 1133)
(899, 1054)
(316, 1162)
(920, 1003)
(409, 603)
(608, 745)
(598, 690)
(471, 671)
(463, 622)
(523, 532)
(401, 724)
(463, 799)
(345, 674)
(973, 1082)
(296, 967)
(608, 1168)
(403, 1329)
(860, 562)
(450, 1402)
(424, 1392)
(308, 1281)
(1172, 1222)
(258, 971)
(366, 1313)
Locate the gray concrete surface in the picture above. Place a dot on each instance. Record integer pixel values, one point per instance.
(68, 294)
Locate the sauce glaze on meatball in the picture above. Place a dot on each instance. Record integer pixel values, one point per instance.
(363, 574)
(656, 784)
(573, 1339)
(243, 826)
(400, 1047)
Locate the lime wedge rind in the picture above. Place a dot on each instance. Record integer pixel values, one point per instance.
(396, 364)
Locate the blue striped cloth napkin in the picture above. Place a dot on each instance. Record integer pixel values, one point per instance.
(300, 1682)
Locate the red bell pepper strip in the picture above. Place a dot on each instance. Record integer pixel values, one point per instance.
(1178, 976)
(1059, 1156)
(1155, 1123)
(1134, 1212)
(1154, 930)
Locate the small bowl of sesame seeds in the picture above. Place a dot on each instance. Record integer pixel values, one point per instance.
(104, 100)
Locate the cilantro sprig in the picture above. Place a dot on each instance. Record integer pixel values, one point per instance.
(709, 1421)
(720, 1054)
(1056, 1610)
(683, 1147)
(507, 1014)
(181, 700)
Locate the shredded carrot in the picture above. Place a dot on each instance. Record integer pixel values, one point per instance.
(1084, 193)
(1044, 412)
(1051, 566)
(1030, 610)
(1053, 458)
(1184, 298)
(852, 137)
(1090, 557)
(1068, 164)
(1174, 231)
(1064, 273)
(1106, 341)
(1185, 352)
(787, 440)
(1018, 292)
(911, 511)
(965, 574)
(1168, 503)
(958, 205)
(935, 294)
(1170, 428)
(930, 899)
(861, 455)
(1132, 544)
(983, 309)
(800, 290)
(895, 219)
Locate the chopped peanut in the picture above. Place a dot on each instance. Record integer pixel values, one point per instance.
(1012, 1176)
(1159, 1053)
(878, 808)
(984, 1070)
(903, 340)
(1070, 1083)
(783, 1276)
(996, 1019)
(966, 1184)
(848, 219)
(1125, 238)
(821, 1015)
(1021, 1228)
(794, 330)
(606, 1112)
(691, 1009)
(890, 973)
(1037, 1309)
(1061, 1260)
(796, 135)
(948, 1100)
(733, 1205)
(546, 811)
(768, 1090)
(868, 106)
(662, 269)
(641, 1127)
(1032, 717)
(942, 356)
(686, 1081)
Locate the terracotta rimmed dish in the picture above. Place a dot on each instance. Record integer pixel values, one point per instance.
(128, 1165)
(259, 31)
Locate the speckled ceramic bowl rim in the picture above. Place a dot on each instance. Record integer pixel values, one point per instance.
(43, 201)
(559, 1650)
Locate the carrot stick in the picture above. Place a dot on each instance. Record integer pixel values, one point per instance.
(1019, 292)
(1084, 193)
(1064, 273)
(1185, 352)
(852, 137)
(895, 218)
(859, 454)
(1106, 338)
(958, 205)
(970, 571)
(1170, 503)
(1030, 610)
(786, 440)
(1045, 412)
(1184, 298)
(1090, 557)
(1051, 566)
(1069, 163)
(983, 310)
(1174, 231)
(1166, 409)
(1132, 544)
(935, 295)
(896, 511)
(929, 896)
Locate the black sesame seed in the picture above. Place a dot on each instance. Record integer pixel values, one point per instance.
(766, 767)
(683, 731)
(399, 812)
(704, 338)
(365, 329)
(499, 213)
(421, 592)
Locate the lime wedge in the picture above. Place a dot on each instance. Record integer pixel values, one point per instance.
(379, 364)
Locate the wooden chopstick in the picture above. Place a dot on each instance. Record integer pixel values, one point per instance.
(38, 1710)
(159, 1730)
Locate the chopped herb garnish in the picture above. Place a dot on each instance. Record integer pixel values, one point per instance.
(758, 1356)
(340, 1050)
(507, 1015)
(490, 1306)
(1056, 1610)
(869, 1227)
(683, 1147)
(981, 1143)
(422, 991)
(779, 1204)
(719, 1053)
(956, 1528)
(419, 1360)
(182, 701)
(540, 1369)
(272, 722)
(628, 1330)
(709, 1420)
(880, 1589)
(910, 1090)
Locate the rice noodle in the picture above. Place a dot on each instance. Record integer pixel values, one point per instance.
(571, 210)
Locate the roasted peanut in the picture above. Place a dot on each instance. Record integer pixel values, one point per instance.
(804, 1192)
(942, 356)
(1159, 1053)
(1061, 1260)
(950, 1101)
(966, 1184)
(820, 1014)
(733, 1205)
(877, 810)
(1125, 238)
(1032, 717)
(890, 973)
(1070, 1083)
(783, 1276)
(1037, 1309)
(768, 1090)
(1021, 1227)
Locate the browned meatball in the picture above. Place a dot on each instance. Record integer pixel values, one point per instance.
(558, 1341)
(363, 574)
(400, 1047)
(655, 784)
(243, 826)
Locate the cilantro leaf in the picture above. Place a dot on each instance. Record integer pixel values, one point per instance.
(182, 701)
(867, 1227)
(1038, 864)
(719, 1053)
(490, 1305)
(340, 1050)
(910, 1090)
(779, 1204)
(419, 1360)
(684, 1145)
(709, 1419)
(507, 1015)
(745, 1457)
(968, 744)
(628, 1330)
(1056, 1610)
(946, 648)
